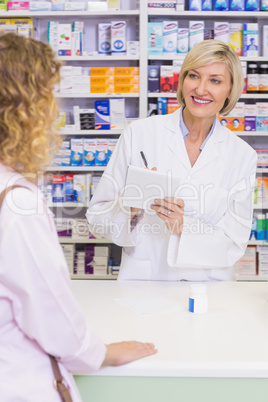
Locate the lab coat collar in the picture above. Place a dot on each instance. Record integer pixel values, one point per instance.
(176, 142)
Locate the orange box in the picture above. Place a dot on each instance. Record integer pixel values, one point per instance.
(102, 89)
(102, 80)
(126, 79)
(172, 105)
(127, 70)
(102, 71)
(133, 88)
(233, 123)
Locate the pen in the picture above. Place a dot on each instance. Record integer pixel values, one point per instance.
(144, 159)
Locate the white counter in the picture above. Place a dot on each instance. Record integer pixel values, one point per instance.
(231, 340)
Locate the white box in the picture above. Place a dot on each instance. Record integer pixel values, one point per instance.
(247, 264)
(117, 113)
(118, 37)
(170, 34)
(196, 33)
(183, 40)
(221, 31)
(104, 39)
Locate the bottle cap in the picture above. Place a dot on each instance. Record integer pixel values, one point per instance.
(198, 289)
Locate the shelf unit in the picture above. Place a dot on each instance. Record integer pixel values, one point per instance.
(141, 15)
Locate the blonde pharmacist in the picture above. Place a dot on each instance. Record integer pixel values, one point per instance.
(201, 234)
(38, 314)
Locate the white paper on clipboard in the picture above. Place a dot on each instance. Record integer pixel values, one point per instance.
(144, 185)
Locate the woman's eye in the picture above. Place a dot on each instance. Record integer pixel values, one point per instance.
(191, 75)
(215, 81)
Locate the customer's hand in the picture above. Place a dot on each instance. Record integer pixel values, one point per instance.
(126, 352)
(170, 210)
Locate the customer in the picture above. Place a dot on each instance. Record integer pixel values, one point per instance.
(38, 313)
(199, 234)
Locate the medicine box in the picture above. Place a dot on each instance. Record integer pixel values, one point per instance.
(221, 5)
(235, 37)
(221, 31)
(101, 152)
(126, 79)
(170, 34)
(111, 146)
(104, 38)
(196, 33)
(117, 113)
(64, 40)
(166, 79)
(195, 5)
(118, 37)
(247, 264)
(153, 78)
(18, 5)
(132, 88)
(102, 80)
(69, 188)
(76, 152)
(250, 117)
(102, 71)
(89, 151)
(102, 115)
(237, 5)
(155, 38)
(102, 88)
(250, 40)
(87, 119)
(79, 187)
(183, 40)
(126, 71)
(58, 188)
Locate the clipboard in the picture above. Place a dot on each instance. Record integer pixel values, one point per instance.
(143, 186)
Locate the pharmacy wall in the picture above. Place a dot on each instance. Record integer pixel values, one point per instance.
(122, 62)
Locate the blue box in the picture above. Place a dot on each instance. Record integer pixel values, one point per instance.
(102, 115)
(155, 38)
(221, 5)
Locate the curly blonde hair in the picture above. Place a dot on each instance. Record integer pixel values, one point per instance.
(28, 109)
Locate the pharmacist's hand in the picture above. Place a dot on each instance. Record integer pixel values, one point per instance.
(171, 211)
(135, 211)
(125, 352)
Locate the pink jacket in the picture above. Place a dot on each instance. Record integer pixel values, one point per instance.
(38, 313)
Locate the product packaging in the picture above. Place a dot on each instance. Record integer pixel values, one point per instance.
(118, 37)
(250, 40)
(196, 33)
(155, 38)
(104, 39)
(170, 33)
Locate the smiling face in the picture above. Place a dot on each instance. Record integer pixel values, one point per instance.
(206, 88)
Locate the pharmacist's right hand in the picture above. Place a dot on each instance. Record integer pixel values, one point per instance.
(135, 211)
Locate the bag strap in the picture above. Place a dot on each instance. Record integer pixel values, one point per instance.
(4, 192)
(58, 381)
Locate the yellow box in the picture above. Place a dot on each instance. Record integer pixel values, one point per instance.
(102, 71)
(126, 79)
(4, 21)
(102, 80)
(127, 70)
(23, 21)
(127, 88)
(102, 89)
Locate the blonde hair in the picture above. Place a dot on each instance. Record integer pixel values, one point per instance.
(28, 109)
(209, 52)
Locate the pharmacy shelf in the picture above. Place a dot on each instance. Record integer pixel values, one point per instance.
(98, 58)
(90, 132)
(69, 240)
(257, 243)
(254, 96)
(252, 133)
(68, 205)
(84, 14)
(76, 168)
(162, 94)
(208, 14)
(261, 170)
(182, 56)
(97, 95)
(248, 278)
(260, 206)
(92, 276)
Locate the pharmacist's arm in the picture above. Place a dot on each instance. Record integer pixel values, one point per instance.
(37, 277)
(206, 245)
(106, 214)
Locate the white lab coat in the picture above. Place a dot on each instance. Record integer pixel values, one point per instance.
(38, 313)
(218, 196)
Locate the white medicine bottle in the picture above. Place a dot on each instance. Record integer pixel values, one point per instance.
(198, 299)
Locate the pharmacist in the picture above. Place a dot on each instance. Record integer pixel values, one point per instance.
(199, 234)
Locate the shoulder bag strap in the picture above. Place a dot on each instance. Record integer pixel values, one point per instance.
(58, 381)
(4, 192)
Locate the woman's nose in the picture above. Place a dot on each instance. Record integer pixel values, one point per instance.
(201, 88)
